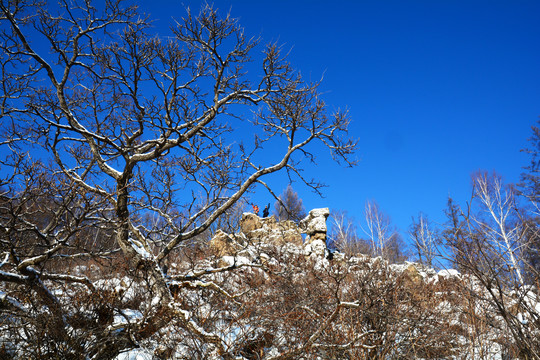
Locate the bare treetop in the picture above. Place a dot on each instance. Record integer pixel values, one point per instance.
(157, 117)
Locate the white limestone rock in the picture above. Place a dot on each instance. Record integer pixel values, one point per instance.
(315, 222)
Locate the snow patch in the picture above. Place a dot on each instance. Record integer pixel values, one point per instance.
(450, 273)
(135, 354)
(126, 316)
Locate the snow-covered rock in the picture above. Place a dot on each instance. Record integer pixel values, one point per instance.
(314, 225)
(316, 247)
(268, 230)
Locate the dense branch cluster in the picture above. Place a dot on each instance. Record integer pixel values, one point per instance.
(123, 148)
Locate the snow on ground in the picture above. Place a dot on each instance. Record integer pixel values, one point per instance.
(135, 354)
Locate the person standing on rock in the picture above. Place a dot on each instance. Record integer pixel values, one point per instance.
(266, 211)
(255, 209)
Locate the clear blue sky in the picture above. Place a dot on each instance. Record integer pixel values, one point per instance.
(436, 90)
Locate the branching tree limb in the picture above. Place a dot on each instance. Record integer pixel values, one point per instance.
(123, 139)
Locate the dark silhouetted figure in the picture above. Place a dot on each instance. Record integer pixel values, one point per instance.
(266, 210)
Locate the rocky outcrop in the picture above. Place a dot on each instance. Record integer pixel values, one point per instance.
(268, 230)
(223, 244)
(250, 222)
(256, 230)
(314, 225)
(316, 247)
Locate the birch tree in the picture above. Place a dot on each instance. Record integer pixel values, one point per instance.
(424, 240)
(498, 227)
(344, 234)
(382, 234)
(487, 238)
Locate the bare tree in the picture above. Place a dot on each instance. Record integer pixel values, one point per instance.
(289, 206)
(344, 234)
(424, 240)
(530, 178)
(378, 226)
(498, 203)
(383, 236)
(530, 188)
(136, 135)
(488, 238)
(531, 250)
